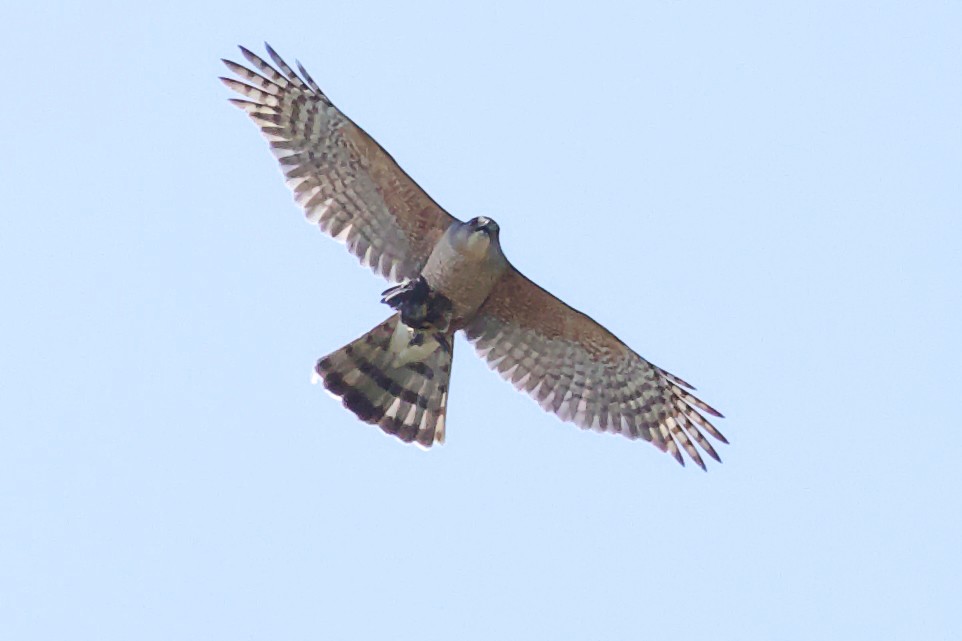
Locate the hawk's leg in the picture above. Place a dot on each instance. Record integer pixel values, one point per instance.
(421, 308)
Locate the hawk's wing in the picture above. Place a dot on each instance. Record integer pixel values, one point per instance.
(343, 179)
(579, 370)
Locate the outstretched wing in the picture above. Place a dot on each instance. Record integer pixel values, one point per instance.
(343, 179)
(579, 370)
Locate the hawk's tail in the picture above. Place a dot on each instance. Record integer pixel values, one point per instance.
(394, 377)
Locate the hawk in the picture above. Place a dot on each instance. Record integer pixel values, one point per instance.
(450, 276)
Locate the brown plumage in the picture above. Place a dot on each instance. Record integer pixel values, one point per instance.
(455, 277)
(344, 181)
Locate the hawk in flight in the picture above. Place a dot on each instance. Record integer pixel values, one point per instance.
(450, 275)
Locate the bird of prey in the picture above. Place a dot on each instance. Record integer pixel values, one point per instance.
(450, 276)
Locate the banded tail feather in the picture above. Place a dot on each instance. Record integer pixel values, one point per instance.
(395, 377)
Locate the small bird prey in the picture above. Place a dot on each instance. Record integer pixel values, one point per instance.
(450, 275)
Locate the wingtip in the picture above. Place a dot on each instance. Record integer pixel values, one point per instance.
(712, 453)
(720, 437)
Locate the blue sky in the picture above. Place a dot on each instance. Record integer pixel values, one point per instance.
(763, 198)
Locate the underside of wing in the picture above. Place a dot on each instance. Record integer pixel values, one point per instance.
(345, 182)
(579, 370)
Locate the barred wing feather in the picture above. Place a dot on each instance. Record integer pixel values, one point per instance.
(580, 371)
(345, 182)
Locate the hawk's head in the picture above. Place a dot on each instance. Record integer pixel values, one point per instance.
(484, 225)
(478, 236)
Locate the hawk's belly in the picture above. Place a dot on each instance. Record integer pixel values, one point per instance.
(463, 269)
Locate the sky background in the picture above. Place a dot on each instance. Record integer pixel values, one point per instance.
(763, 198)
